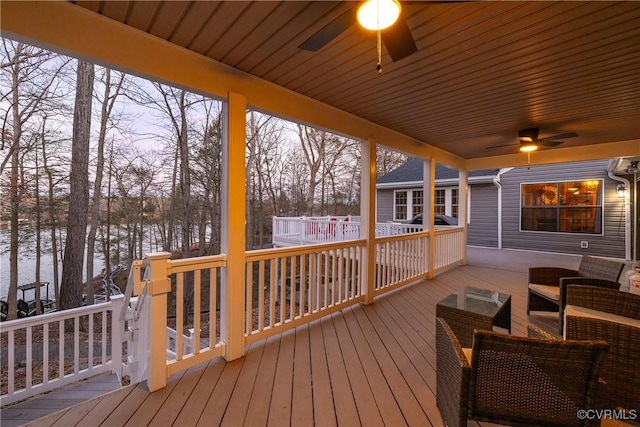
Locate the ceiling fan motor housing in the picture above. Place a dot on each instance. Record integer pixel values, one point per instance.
(528, 135)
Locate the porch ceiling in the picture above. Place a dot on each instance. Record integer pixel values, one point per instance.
(482, 71)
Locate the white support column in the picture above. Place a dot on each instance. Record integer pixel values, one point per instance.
(368, 217)
(159, 286)
(463, 210)
(429, 191)
(232, 298)
(117, 331)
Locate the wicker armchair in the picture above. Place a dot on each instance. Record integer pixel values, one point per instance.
(515, 380)
(547, 285)
(613, 316)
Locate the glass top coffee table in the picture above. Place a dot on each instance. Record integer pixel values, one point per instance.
(474, 308)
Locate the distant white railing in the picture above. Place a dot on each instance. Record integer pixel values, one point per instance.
(74, 344)
(448, 247)
(400, 259)
(293, 231)
(290, 286)
(289, 231)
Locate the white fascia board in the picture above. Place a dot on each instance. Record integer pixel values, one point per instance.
(487, 179)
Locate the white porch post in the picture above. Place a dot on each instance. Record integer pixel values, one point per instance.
(117, 330)
(368, 218)
(232, 298)
(158, 287)
(429, 191)
(463, 211)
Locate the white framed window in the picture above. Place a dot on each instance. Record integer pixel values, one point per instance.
(400, 205)
(409, 203)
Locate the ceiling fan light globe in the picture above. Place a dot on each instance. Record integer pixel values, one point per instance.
(527, 147)
(378, 14)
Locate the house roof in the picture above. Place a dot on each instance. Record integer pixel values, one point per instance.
(412, 171)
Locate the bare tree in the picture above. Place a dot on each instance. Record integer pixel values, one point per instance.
(388, 160)
(321, 151)
(72, 263)
(109, 98)
(175, 105)
(30, 82)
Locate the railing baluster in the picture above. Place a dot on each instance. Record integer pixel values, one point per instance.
(272, 291)
(45, 353)
(261, 286)
(303, 285)
(179, 315)
(249, 301)
(61, 349)
(29, 361)
(76, 344)
(283, 289)
(293, 288)
(90, 361)
(213, 307)
(196, 311)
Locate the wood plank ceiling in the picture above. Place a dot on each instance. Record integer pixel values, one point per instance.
(482, 71)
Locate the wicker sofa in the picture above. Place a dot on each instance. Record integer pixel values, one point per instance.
(613, 316)
(515, 380)
(547, 285)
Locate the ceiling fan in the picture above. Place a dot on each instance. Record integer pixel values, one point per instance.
(397, 38)
(528, 140)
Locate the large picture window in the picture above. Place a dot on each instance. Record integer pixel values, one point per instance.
(565, 207)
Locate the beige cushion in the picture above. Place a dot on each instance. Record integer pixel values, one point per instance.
(576, 310)
(549, 291)
(467, 353)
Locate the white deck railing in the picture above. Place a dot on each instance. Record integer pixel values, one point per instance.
(286, 287)
(400, 259)
(449, 244)
(74, 344)
(174, 321)
(295, 231)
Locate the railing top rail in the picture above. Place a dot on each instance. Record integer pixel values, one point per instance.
(448, 229)
(56, 316)
(196, 263)
(302, 250)
(397, 237)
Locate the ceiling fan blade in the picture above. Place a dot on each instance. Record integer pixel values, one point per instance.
(398, 40)
(561, 136)
(330, 31)
(547, 143)
(500, 146)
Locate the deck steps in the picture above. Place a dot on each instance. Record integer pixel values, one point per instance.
(63, 398)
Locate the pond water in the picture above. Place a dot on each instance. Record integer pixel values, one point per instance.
(27, 263)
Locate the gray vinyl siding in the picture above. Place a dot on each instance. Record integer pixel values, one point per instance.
(482, 229)
(610, 243)
(384, 206)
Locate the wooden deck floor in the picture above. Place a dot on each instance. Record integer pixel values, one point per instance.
(367, 365)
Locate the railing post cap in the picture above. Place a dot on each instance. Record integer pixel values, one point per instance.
(159, 256)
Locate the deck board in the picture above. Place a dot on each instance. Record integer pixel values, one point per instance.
(364, 365)
(302, 398)
(343, 399)
(192, 409)
(258, 410)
